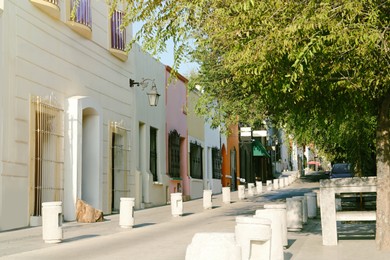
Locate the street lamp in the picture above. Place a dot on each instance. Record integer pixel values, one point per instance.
(153, 95)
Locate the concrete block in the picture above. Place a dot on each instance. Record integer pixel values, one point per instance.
(251, 189)
(226, 195)
(207, 199)
(259, 187)
(269, 185)
(294, 214)
(254, 237)
(281, 209)
(311, 198)
(275, 184)
(126, 212)
(304, 208)
(241, 192)
(52, 222)
(213, 246)
(276, 231)
(176, 204)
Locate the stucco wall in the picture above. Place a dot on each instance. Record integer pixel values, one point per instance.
(43, 57)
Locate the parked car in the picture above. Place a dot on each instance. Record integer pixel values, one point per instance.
(341, 170)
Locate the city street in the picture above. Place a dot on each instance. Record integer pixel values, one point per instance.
(156, 234)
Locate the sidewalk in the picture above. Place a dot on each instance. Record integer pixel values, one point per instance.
(158, 235)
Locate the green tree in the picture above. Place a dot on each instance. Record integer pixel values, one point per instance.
(321, 68)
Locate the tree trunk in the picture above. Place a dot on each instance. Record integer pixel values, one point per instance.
(383, 176)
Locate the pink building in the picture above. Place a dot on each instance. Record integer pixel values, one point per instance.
(177, 135)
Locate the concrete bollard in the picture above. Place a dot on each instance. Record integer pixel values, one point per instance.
(259, 187)
(52, 222)
(276, 231)
(176, 204)
(207, 199)
(281, 183)
(241, 192)
(304, 208)
(126, 212)
(251, 189)
(275, 184)
(317, 192)
(286, 181)
(281, 209)
(269, 185)
(254, 237)
(294, 214)
(226, 195)
(311, 198)
(213, 246)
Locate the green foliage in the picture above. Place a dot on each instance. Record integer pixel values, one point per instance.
(321, 68)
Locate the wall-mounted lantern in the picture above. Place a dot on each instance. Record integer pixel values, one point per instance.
(153, 95)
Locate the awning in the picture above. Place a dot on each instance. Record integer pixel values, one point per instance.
(259, 150)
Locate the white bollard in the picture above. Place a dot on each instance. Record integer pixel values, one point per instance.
(241, 192)
(259, 187)
(251, 189)
(311, 198)
(254, 237)
(269, 185)
(294, 214)
(286, 181)
(207, 199)
(126, 212)
(304, 208)
(281, 183)
(176, 204)
(226, 195)
(276, 231)
(213, 246)
(317, 192)
(276, 184)
(281, 209)
(52, 222)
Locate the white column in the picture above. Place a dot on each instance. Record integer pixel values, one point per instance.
(328, 217)
(241, 192)
(311, 198)
(254, 237)
(259, 187)
(294, 214)
(52, 222)
(281, 208)
(276, 231)
(207, 199)
(126, 212)
(176, 204)
(226, 195)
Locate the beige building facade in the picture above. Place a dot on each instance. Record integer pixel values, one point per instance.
(70, 126)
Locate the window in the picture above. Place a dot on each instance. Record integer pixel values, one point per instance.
(81, 10)
(216, 161)
(153, 153)
(174, 154)
(120, 170)
(47, 148)
(196, 169)
(118, 35)
(80, 17)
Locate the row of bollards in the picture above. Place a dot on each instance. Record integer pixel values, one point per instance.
(262, 236)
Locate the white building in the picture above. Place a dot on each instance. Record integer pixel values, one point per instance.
(69, 126)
